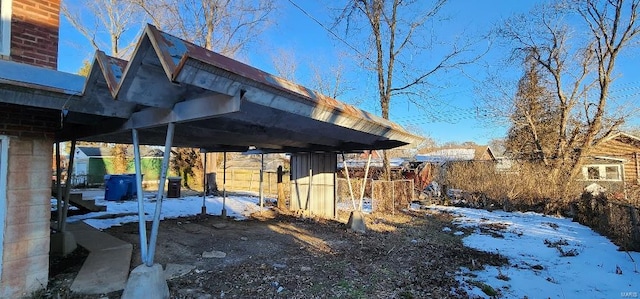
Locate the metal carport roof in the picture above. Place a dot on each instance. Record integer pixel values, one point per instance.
(216, 103)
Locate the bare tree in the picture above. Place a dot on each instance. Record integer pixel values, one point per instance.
(285, 63)
(113, 18)
(330, 80)
(224, 26)
(580, 67)
(327, 77)
(397, 30)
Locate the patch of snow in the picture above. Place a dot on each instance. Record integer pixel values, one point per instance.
(238, 207)
(595, 189)
(347, 205)
(549, 257)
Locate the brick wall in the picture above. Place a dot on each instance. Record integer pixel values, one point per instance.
(22, 121)
(26, 238)
(34, 32)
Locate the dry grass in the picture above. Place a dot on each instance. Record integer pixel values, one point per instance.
(527, 187)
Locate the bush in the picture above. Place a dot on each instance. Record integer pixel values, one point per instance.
(527, 186)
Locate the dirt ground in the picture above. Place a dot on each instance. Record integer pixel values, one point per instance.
(275, 255)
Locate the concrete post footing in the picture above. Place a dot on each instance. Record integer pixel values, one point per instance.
(146, 282)
(356, 222)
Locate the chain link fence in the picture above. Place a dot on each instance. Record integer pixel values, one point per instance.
(379, 195)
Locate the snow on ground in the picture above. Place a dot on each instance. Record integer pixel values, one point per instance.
(120, 212)
(549, 257)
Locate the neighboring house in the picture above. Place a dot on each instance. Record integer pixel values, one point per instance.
(357, 163)
(614, 163)
(91, 164)
(457, 154)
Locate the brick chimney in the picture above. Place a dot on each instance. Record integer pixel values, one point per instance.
(33, 32)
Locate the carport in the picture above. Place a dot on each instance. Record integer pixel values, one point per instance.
(174, 93)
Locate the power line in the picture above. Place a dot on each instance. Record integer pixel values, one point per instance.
(329, 30)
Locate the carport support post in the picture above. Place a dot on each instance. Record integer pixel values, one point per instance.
(203, 210)
(364, 182)
(62, 242)
(58, 184)
(224, 185)
(147, 280)
(261, 180)
(67, 190)
(346, 170)
(310, 189)
(282, 205)
(163, 177)
(356, 218)
(142, 227)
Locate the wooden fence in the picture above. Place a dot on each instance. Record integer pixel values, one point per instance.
(248, 180)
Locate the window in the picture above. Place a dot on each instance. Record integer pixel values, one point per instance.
(593, 173)
(602, 172)
(5, 27)
(612, 173)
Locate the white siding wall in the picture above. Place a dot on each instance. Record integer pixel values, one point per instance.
(320, 200)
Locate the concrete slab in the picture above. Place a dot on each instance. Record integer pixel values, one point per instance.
(93, 239)
(107, 267)
(103, 271)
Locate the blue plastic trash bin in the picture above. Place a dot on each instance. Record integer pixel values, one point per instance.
(120, 187)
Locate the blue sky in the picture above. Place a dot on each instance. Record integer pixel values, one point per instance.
(452, 115)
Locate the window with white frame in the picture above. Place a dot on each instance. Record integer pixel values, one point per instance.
(5, 27)
(602, 172)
